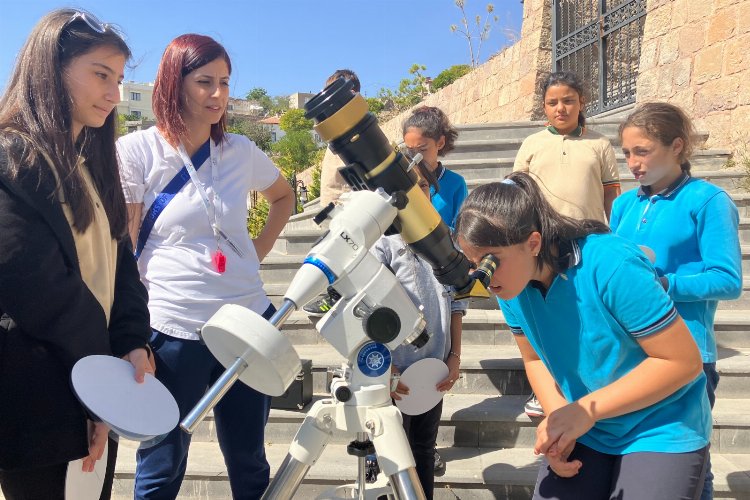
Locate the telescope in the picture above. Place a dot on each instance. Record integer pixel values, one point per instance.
(373, 316)
(342, 120)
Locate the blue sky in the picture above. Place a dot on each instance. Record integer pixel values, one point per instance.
(284, 46)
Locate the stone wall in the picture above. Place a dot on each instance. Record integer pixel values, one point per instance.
(696, 54)
(504, 88)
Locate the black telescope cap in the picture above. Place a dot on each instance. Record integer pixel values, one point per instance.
(329, 100)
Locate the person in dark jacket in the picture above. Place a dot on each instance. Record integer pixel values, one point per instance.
(69, 286)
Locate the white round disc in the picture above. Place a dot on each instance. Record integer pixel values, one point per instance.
(106, 386)
(421, 379)
(81, 485)
(237, 332)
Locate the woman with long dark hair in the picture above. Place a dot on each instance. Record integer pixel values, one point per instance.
(611, 361)
(69, 286)
(195, 254)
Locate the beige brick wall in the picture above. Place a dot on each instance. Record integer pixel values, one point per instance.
(696, 54)
(504, 88)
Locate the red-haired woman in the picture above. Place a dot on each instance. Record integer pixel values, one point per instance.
(186, 182)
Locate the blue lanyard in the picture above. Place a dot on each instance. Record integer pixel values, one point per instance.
(169, 192)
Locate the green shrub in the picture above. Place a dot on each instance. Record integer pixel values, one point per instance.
(450, 75)
(257, 217)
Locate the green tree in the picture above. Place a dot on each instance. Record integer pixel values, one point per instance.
(261, 97)
(450, 75)
(375, 104)
(314, 188)
(294, 120)
(467, 29)
(257, 217)
(271, 105)
(255, 131)
(410, 91)
(314, 191)
(256, 94)
(279, 104)
(294, 152)
(121, 128)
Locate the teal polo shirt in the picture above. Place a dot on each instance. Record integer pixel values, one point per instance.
(585, 329)
(451, 195)
(692, 228)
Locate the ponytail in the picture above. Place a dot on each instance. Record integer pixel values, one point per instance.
(502, 214)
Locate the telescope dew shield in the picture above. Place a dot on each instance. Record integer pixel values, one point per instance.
(342, 120)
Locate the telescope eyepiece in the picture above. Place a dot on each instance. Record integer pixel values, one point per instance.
(485, 269)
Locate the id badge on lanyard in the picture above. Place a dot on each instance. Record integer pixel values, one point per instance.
(218, 258)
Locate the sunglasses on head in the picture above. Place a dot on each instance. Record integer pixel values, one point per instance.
(94, 23)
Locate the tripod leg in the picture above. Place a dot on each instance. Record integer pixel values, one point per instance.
(307, 446)
(394, 454)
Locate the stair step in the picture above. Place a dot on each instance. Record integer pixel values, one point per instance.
(487, 327)
(281, 268)
(475, 473)
(492, 421)
(304, 220)
(487, 166)
(727, 179)
(498, 370)
(521, 130)
(300, 241)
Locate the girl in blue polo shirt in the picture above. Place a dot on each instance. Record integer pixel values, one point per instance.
(429, 132)
(613, 364)
(689, 224)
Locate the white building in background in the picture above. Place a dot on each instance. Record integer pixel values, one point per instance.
(299, 99)
(272, 125)
(243, 107)
(135, 100)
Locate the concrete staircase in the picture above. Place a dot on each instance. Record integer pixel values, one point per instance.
(485, 437)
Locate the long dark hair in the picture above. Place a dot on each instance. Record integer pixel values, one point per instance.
(36, 119)
(183, 55)
(432, 123)
(569, 80)
(505, 213)
(664, 122)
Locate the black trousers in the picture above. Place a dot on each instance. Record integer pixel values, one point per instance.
(48, 482)
(421, 430)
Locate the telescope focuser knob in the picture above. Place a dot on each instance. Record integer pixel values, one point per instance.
(399, 200)
(343, 393)
(323, 214)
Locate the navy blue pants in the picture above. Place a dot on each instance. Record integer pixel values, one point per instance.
(187, 368)
(641, 476)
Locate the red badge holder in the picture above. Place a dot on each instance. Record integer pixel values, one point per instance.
(220, 261)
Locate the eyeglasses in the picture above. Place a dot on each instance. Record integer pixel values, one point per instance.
(94, 23)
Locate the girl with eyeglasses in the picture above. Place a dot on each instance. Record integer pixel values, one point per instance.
(69, 285)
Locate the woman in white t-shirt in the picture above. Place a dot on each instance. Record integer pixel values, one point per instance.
(195, 253)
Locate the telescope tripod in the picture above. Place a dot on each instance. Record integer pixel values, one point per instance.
(380, 421)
